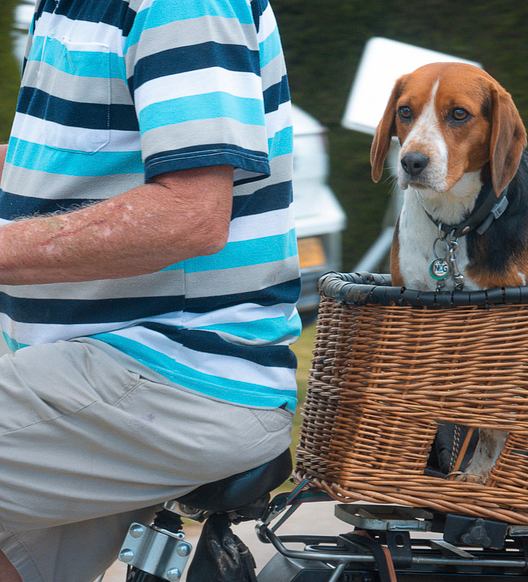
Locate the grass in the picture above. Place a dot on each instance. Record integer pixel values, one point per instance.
(303, 350)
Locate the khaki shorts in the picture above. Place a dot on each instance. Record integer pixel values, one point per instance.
(86, 447)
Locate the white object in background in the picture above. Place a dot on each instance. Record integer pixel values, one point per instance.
(383, 62)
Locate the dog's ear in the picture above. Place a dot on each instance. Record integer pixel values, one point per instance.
(384, 132)
(508, 139)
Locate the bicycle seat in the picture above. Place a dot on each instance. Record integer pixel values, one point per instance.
(242, 489)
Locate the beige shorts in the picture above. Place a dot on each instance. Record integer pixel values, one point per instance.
(86, 447)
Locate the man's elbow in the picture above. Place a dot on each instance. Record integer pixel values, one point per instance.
(208, 235)
(215, 239)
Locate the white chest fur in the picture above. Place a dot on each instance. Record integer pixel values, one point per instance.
(417, 236)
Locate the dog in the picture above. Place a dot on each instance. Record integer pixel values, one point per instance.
(464, 171)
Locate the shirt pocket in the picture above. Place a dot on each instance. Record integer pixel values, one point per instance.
(79, 98)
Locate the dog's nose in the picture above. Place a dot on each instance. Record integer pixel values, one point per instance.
(413, 163)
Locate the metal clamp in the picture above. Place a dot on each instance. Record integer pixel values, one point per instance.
(159, 553)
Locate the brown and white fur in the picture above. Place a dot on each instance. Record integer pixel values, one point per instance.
(458, 128)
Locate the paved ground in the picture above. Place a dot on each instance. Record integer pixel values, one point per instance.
(311, 518)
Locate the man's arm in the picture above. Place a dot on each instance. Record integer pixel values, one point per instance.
(181, 215)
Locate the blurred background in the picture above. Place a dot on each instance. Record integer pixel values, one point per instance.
(323, 41)
(9, 68)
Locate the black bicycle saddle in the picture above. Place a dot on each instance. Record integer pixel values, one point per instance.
(242, 489)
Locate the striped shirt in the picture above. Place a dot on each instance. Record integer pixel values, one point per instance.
(115, 92)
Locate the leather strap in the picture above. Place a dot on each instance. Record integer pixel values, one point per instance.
(381, 554)
(487, 209)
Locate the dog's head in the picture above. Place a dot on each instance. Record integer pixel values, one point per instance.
(451, 119)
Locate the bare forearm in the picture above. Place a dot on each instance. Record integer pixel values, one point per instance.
(139, 232)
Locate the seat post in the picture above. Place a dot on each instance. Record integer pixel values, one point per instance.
(169, 521)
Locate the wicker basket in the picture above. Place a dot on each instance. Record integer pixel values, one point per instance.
(388, 366)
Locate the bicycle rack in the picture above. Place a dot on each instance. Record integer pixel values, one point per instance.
(470, 549)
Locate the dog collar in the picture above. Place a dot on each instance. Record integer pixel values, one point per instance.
(487, 209)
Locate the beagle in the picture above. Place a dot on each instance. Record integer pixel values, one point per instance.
(462, 165)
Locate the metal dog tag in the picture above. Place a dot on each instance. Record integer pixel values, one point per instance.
(439, 269)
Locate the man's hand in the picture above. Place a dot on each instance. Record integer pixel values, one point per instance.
(181, 215)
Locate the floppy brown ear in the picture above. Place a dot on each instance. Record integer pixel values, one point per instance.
(508, 139)
(384, 132)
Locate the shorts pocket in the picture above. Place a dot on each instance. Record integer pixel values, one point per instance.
(273, 420)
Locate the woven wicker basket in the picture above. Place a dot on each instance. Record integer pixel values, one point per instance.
(388, 366)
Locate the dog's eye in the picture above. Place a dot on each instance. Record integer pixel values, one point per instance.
(459, 114)
(405, 113)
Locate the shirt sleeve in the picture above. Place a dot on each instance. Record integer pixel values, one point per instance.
(194, 72)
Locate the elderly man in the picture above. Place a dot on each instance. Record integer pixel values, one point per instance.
(148, 270)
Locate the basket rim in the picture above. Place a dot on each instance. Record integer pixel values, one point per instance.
(364, 288)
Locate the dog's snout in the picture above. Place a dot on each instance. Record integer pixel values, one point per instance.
(414, 163)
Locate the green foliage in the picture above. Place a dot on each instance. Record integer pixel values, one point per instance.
(10, 73)
(323, 41)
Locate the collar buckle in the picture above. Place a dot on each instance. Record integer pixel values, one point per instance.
(496, 212)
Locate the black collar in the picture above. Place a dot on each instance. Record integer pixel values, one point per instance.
(487, 209)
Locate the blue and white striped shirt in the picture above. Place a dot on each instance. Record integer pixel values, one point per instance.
(115, 92)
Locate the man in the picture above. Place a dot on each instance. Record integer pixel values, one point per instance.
(148, 270)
